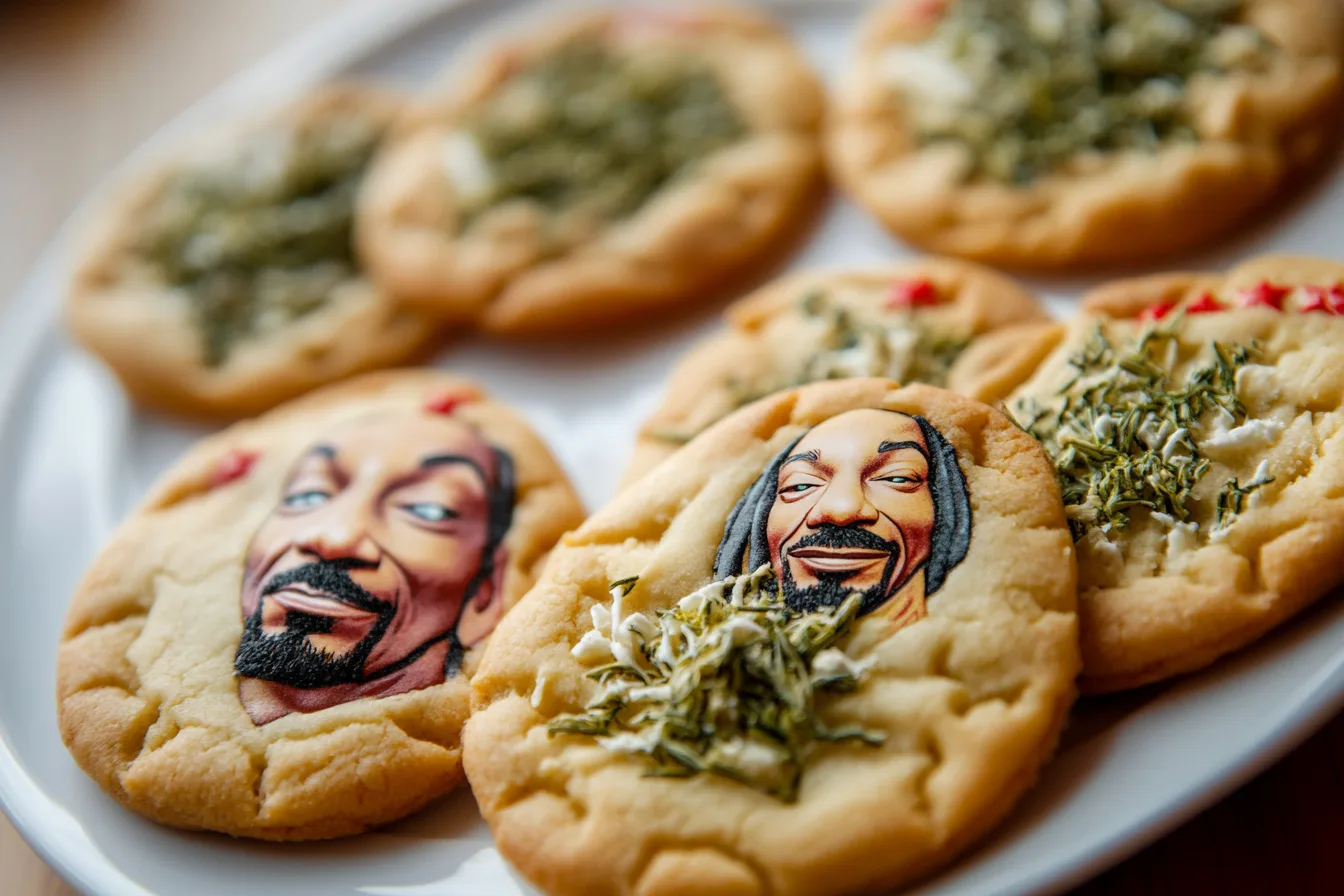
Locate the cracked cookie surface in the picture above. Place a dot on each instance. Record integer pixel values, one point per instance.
(964, 655)
(276, 643)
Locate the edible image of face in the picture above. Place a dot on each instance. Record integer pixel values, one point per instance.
(380, 562)
(853, 511)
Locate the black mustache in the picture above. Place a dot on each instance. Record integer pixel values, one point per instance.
(330, 577)
(845, 537)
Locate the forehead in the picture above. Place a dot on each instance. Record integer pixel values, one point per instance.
(861, 432)
(395, 444)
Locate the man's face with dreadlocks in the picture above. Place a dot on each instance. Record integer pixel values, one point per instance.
(363, 568)
(853, 512)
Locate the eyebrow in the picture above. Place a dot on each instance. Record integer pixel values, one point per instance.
(810, 456)
(441, 460)
(897, 446)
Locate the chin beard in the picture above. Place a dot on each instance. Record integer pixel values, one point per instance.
(831, 590)
(289, 658)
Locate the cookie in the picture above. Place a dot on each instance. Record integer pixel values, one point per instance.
(1195, 420)
(598, 169)
(277, 642)
(908, 322)
(1046, 133)
(224, 281)
(822, 666)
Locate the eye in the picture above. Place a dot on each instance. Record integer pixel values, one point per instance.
(800, 487)
(429, 512)
(902, 479)
(306, 500)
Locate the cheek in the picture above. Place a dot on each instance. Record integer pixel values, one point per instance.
(912, 514)
(439, 560)
(782, 522)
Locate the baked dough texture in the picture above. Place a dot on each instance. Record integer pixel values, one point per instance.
(1152, 602)
(729, 216)
(906, 321)
(120, 308)
(148, 702)
(1257, 128)
(971, 698)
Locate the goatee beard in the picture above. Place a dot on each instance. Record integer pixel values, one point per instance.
(288, 657)
(831, 590)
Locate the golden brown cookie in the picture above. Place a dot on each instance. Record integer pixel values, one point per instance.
(223, 281)
(277, 642)
(1196, 423)
(1044, 133)
(822, 666)
(610, 165)
(908, 322)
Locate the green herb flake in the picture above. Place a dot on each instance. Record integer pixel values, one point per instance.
(1027, 85)
(725, 682)
(1119, 430)
(262, 239)
(591, 130)
(1233, 496)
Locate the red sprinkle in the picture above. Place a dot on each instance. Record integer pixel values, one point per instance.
(1264, 294)
(1157, 312)
(924, 10)
(446, 402)
(1322, 298)
(1203, 305)
(232, 466)
(912, 293)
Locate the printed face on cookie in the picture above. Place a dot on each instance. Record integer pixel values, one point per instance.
(380, 562)
(870, 501)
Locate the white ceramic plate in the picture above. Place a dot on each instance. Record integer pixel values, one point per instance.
(74, 456)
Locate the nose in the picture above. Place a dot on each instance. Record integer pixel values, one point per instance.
(338, 537)
(843, 502)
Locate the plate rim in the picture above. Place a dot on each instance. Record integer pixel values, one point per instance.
(317, 52)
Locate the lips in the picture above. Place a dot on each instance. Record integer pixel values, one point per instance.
(839, 560)
(296, 598)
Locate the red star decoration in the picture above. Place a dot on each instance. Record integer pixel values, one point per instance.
(1264, 295)
(1156, 312)
(1203, 305)
(446, 402)
(912, 294)
(232, 466)
(1329, 299)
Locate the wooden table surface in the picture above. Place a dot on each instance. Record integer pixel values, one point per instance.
(82, 82)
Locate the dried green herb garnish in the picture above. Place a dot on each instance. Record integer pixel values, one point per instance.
(851, 345)
(1120, 431)
(1233, 496)
(263, 238)
(1028, 84)
(725, 682)
(592, 129)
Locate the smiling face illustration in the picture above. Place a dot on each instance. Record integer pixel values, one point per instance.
(381, 561)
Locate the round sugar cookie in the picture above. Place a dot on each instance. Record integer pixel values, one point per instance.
(599, 168)
(1046, 133)
(223, 280)
(803, 657)
(276, 643)
(1197, 421)
(909, 322)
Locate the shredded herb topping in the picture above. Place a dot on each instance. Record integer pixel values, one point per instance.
(725, 682)
(1120, 431)
(895, 344)
(1028, 84)
(590, 129)
(262, 239)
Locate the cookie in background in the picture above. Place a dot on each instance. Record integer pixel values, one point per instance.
(803, 656)
(1197, 425)
(1048, 133)
(224, 280)
(908, 322)
(277, 642)
(599, 168)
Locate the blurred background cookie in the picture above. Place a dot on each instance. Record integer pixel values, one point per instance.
(908, 322)
(225, 281)
(1060, 132)
(276, 643)
(1197, 424)
(604, 167)
(803, 656)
